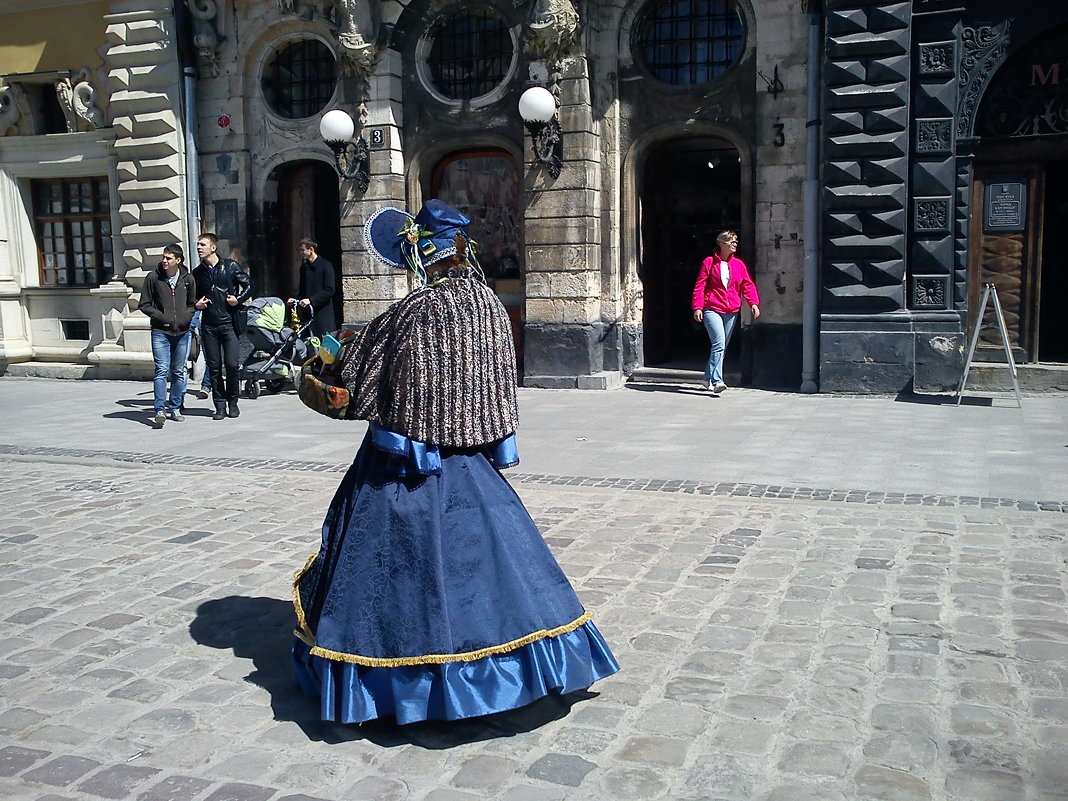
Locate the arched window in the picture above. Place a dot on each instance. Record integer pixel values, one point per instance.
(470, 54)
(299, 79)
(687, 42)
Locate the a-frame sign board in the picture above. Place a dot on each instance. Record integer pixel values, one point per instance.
(990, 291)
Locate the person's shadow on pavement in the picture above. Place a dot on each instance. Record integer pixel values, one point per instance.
(140, 411)
(261, 629)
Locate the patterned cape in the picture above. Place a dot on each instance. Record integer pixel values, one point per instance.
(437, 366)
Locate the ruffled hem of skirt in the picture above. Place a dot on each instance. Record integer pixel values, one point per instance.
(352, 693)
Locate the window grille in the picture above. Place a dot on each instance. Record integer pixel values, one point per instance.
(72, 218)
(470, 55)
(687, 42)
(299, 79)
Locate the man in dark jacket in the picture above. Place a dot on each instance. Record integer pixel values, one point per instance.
(168, 296)
(222, 285)
(317, 288)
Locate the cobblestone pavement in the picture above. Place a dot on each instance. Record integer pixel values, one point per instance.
(775, 645)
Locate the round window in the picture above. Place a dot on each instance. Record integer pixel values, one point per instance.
(299, 79)
(687, 42)
(470, 54)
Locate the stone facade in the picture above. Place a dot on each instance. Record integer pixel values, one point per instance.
(582, 295)
(902, 86)
(599, 254)
(122, 107)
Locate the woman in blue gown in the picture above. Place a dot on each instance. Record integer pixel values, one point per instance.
(433, 595)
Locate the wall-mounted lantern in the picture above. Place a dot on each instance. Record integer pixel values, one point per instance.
(352, 157)
(537, 107)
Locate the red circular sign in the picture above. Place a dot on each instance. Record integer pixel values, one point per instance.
(224, 121)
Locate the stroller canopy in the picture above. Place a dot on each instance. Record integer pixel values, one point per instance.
(267, 313)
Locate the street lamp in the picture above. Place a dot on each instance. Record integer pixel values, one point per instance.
(537, 107)
(352, 157)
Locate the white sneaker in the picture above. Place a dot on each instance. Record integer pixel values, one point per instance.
(718, 388)
(175, 415)
(160, 418)
(202, 394)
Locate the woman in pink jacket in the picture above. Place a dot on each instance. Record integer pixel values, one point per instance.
(717, 298)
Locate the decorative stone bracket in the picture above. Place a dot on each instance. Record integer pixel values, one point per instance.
(554, 29)
(77, 98)
(985, 49)
(208, 32)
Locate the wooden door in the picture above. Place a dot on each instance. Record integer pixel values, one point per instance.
(1006, 251)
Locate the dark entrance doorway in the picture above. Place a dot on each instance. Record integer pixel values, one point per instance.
(691, 192)
(1019, 206)
(485, 186)
(307, 205)
(1052, 332)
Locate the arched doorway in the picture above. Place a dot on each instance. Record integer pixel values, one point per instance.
(307, 205)
(1019, 204)
(692, 190)
(485, 186)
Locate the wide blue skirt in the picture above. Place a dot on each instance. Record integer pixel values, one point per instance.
(434, 597)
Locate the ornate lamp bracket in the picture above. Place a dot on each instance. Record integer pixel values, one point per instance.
(548, 142)
(353, 161)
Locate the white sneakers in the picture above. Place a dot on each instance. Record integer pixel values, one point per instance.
(176, 415)
(160, 418)
(718, 388)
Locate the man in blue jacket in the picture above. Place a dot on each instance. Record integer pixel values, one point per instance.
(222, 285)
(168, 296)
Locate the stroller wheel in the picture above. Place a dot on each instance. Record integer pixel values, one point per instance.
(252, 389)
(274, 385)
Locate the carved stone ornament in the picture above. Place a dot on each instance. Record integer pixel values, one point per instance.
(984, 50)
(931, 214)
(929, 291)
(207, 34)
(934, 136)
(84, 99)
(936, 58)
(356, 32)
(10, 110)
(554, 29)
(65, 96)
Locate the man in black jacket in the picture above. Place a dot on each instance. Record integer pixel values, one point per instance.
(222, 285)
(167, 298)
(317, 288)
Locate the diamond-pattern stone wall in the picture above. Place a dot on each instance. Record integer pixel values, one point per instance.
(937, 220)
(866, 149)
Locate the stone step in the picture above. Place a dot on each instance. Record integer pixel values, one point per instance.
(137, 101)
(145, 77)
(149, 169)
(148, 214)
(988, 377)
(149, 191)
(149, 147)
(159, 123)
(139, 55)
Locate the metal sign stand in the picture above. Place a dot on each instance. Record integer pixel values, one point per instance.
(990, 291)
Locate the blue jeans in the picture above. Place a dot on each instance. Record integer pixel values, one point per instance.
(170, 352)
(719, 327)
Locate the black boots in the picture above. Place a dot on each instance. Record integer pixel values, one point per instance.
(233, 411)
(220, 410)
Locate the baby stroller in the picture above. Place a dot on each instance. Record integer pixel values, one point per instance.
(278, 349)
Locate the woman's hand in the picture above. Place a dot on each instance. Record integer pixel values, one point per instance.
(756, 311)
(698, 315)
